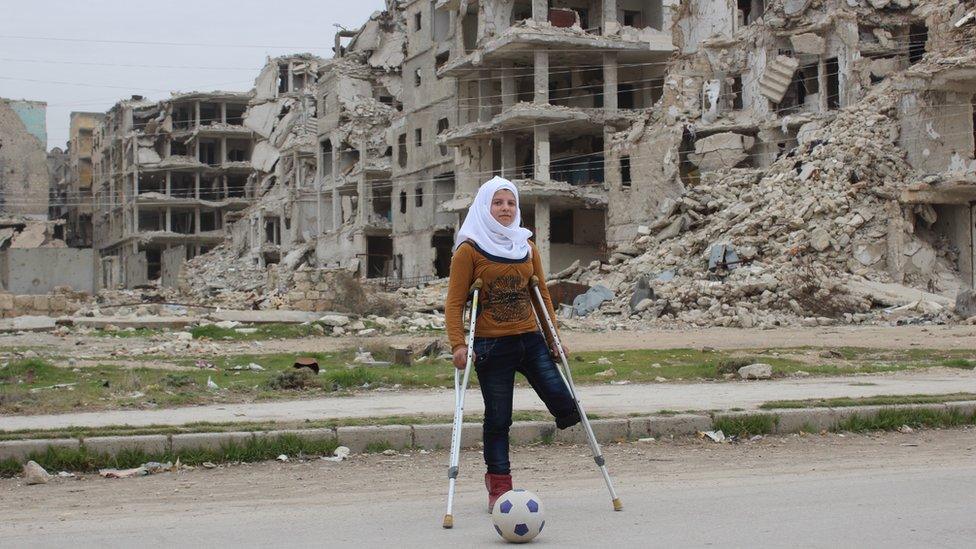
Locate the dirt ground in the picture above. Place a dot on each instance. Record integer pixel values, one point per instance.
(667, 487)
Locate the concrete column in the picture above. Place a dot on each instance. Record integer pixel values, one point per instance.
(169, 219)
(196, 220)
(509, 89)
(540, 10)
(541, 77)
(484, 96)
(336, 205)
(196, 186)
(542, 232)
(542, 153)
(169, 183)
(223, 113)
(508, 155)
(196, 114)
(609, 16)
(361, 188)
(223, 150)
(610, 81)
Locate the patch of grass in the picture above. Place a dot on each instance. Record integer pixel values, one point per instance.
(891, 419)
(746, 425)
(880, 400)
(961, 363)
(731, 365)
(293, 379)
(254, 449)
(261, 332)
(378, 447)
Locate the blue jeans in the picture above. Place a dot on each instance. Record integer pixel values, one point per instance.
(497, 360)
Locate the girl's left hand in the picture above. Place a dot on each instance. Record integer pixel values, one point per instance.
(555, 351)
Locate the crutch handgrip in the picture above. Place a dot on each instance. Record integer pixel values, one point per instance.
(476, 285)
(534, 281)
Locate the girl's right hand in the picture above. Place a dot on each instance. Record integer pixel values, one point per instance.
(461, 357)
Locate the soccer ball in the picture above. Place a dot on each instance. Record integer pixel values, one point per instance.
(518, 516)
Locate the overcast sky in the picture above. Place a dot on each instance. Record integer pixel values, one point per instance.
(51, 50)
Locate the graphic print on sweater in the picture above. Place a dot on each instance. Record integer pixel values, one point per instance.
(507, 299)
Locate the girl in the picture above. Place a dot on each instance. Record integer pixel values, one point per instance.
(492, 246)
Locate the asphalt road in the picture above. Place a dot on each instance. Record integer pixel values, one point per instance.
(891, 490)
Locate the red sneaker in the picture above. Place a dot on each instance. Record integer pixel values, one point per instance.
(496, 485)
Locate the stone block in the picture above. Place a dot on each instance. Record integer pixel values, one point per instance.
(151, 444)
(357, 439)
(6, 302)
(807, 419)
(676, 425)
(23, 302)
(59, 304)
(42, 303)
(605, 430)
(208, 441)
(21, 449)
(303, 305)
(434, 437)
(527, 432)
(311, 435)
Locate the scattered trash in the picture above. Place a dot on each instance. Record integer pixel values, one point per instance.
(756, 438)
(620, 382)
(154, 467)
(606, 373)
(604, 361)
(123, 473)
(402, 356)
(716, 436)
(338, 454)
(307, 362)
(209, 465)
(211, 385)
(282, 458)
(65, 474)
(35, 474)
(68, 386)
(204, 365)
(251, 367)
(646, 439)
(905, 429)
(389, 452)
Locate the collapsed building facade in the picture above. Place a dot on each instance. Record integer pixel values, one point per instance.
(73, 189)
(167, 175)
(24, 174)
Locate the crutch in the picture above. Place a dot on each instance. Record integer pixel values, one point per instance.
(567, 376)
(460, 386)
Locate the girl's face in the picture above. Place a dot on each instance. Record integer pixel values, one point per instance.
(503, 207)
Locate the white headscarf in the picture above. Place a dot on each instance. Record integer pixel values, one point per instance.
(492, 237)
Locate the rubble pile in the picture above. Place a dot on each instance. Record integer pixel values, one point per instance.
(747, 247)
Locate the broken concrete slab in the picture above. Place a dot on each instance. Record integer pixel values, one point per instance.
(721, 150)
(808, 43)
(276, 316)
(777, 77)
(28, 324)
(892, 295)
(135, 322)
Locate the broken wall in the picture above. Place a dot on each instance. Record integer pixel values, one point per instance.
(40, 270)
(24, 178)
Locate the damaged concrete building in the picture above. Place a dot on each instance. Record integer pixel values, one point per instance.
(541, 87)
(73, 191)
(167, 175)
(832, 135)
(24, 174)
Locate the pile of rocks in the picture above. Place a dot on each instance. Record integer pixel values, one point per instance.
(781, 245)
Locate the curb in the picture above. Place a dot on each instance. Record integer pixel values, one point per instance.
(438, 436)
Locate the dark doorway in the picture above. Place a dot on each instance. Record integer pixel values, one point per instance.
(379, 256)
(443, 244)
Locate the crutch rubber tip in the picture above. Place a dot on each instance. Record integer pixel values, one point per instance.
(448, 521)
(617, 506)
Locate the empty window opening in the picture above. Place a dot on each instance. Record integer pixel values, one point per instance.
(154, 263)
(750, 11)
(152, 220)
(238, 150)
(418, 197)
(441, 60)
(283, 78)
(918, 35)
(152, 183)
(442, 126)
(383, 204)
(625, 177)
(208, 221)
(183, 185)
(561, 227)
(402, 150)
(183, 222)
(443, 244)
(833, 83)
(178, 148)
(183, 117)
(418, 20)
(235, 114)
(236, 186)
(403, 202)
(208, 152)
(272, 230)
(325, 164)
(209, 114)
(417, 78)
(633, 18)
(625, 96)
(803, 91)
(418, 138)
(379, 256)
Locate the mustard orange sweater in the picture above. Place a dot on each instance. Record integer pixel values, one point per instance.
(506, 303)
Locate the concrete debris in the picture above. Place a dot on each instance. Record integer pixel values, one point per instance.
(591, 300)
(966, 304)
(721, 150)
(777, 77)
